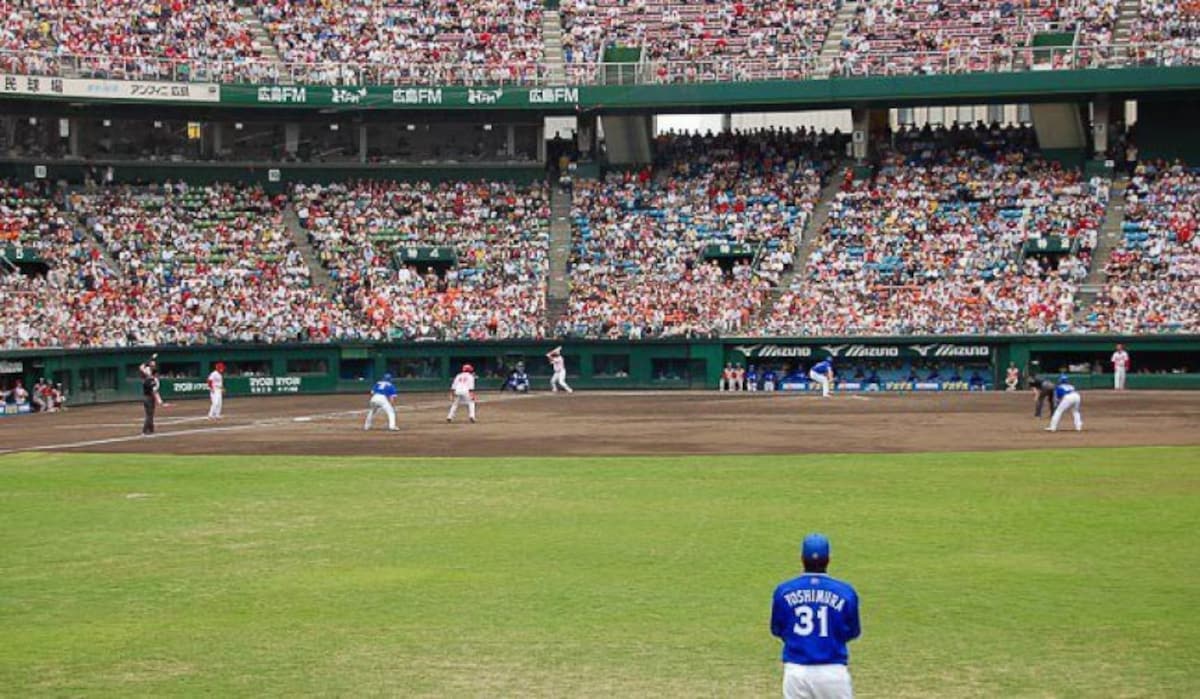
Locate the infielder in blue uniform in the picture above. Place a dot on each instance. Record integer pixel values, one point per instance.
(822, 373)
(815, 616)
(1068, 399)
(383, 396)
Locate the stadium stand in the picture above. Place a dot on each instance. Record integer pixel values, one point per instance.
(689, 42)
(128, 39)
(935, 242)
(496, 286)
(402, 41)
(209, 264)
(1153, 276)
(640, 266)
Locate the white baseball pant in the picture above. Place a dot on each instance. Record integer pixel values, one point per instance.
(816, 682)
(380, 403)
(1119, 378)
(822, 379)
(1069, 402)
(216, 401)
(462, 398)
(560, 379)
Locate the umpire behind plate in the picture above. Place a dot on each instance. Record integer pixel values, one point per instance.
(815, 616)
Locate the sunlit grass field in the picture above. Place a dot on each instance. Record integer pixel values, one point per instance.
(1040, 574)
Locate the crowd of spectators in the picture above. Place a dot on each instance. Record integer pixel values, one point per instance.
(674, 252)
(404, 41)
(492, 287)
(1152, 277)
(945, 238)
(132, 39)
(687, 41)
(203, 264)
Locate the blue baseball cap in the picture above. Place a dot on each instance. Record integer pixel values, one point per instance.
(1063, 378)
(815, 548)
(387, 377)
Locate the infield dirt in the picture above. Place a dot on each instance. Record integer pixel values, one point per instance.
(624, 423)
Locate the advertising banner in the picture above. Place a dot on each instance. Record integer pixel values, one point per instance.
(84, 88)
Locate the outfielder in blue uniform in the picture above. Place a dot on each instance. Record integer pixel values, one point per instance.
(1068, 399)
(815, 616)
(383, 395)
(822, 373)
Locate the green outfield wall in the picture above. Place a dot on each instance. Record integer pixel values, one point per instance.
(1159, 362)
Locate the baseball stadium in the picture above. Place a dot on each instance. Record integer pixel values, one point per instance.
(600, 348)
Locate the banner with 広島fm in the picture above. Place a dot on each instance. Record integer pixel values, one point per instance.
(406, 97)
(91, 88)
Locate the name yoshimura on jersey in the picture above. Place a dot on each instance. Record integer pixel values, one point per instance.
(815, 616)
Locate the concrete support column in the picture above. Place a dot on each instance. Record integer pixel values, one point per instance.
(541, 144)
(362, 143)
(860, 133)
(75, 124)
(586, 135)
(726, 123)
(291, 138)
(1102, 122)
(510, 141)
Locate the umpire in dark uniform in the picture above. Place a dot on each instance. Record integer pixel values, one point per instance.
(1043, 391)
(150, 396)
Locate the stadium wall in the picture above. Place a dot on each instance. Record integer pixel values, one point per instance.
(93, 376)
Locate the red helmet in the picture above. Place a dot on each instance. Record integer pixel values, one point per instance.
(468, 368)
(220, 366)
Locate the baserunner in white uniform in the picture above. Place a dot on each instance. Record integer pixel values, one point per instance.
(559, 379)
(383, 396)
(462, 390)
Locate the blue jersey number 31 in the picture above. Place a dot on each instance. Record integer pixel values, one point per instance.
(804, 621)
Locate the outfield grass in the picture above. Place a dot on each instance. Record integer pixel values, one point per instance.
(1072, 573)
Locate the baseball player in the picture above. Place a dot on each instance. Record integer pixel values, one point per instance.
(518, 380)
(815, 616)
(822, 373)
(559, 379)
(769, 378)
(216, 391)
(752, 378)
(383, 398)
(1043, 393)
(1012, 377)
(1120, 362)
(1068, 399)
(726, 378)
(739, 377)
(462, 390)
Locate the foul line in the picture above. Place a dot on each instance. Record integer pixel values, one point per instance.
(275, 421)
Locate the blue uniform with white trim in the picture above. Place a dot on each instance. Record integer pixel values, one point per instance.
(382, 393)
(823, 367)
(815, 616)
(1068, 399)
(384, 388)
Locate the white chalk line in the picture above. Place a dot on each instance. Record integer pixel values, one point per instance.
(267, 422)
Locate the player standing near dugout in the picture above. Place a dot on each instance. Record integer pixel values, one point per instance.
(559, 378)
(383, 398)
(815, 616)
(462, 390)
(216, 391)
(1120, 362)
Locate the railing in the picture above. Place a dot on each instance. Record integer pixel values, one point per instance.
(646, 72)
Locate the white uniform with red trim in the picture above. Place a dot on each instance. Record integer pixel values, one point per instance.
(463, 389)
(559, 379)
(216, 395)
(1120, 362)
